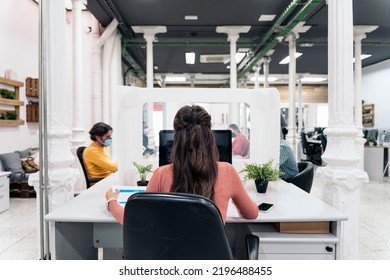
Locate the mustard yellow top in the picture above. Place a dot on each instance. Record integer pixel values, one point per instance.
(98, 162)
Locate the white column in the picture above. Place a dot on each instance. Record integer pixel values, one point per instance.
(300, 122)
(105, 50)
(149, 36)
(61, 176)
(359, 33)
(291, 135)
(78, 130)
(78, 136)
(58, 158)
(257, 75)
(96, 97)
(266, 71)
(341, 178)
(233, 35)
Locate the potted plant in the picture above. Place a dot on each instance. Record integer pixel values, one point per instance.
(143, 171)
(261, 174)
(371, 141)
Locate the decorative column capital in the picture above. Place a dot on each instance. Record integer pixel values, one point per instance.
(149, 31)
(360, 31)
(233, 31)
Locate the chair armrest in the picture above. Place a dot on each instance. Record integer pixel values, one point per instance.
(252, 246)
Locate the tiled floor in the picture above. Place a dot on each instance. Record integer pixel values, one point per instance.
(19, 240)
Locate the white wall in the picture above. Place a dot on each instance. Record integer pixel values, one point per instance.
(376, 89)
(19, 52)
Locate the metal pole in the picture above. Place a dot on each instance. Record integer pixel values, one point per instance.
(43, 174)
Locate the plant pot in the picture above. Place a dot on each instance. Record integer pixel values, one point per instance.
(261, 186)
(142, 184)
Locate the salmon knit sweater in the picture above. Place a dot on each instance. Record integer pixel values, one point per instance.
(227, 186)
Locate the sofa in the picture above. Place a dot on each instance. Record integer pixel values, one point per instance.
(18, 178)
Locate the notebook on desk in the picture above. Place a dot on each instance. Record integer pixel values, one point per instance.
(126, 191)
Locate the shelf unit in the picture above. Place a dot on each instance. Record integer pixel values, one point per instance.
(32, 94)
(368, 115)
(13, 103)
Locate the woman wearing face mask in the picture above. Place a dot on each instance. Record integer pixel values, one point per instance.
(97, 160)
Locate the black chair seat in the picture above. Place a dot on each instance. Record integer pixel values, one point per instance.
(304, 179)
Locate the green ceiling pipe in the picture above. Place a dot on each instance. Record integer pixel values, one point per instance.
(297, 18)
(129, 59)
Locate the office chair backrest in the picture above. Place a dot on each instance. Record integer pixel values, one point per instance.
(170, 226)
(79, 152)
(324, 141)
(88, 181)
(304, 179)
(304, 142)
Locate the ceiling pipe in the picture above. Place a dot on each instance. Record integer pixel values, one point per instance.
(271, 36)
(277, 37)
(130, 61)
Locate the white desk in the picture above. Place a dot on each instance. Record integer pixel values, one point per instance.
(83, 224)
(4, 190)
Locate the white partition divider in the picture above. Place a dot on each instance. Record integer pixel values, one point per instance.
(127, 123)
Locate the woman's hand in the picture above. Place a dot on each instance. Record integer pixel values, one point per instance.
(111, 195)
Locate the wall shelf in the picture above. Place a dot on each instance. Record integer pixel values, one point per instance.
(32, 94)
(368, 115)
(13, 104)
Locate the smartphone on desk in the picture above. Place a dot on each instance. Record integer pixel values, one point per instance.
(265, 207)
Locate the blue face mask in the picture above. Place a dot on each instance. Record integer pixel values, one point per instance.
(107, 142)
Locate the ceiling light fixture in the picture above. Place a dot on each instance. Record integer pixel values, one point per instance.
(175, 79)
(306, 45)
(363, 56)
(191, 17)
(190, 57)
(262, 79)
(267, 17)
(286, 60)
(313, 79)
(240, 56)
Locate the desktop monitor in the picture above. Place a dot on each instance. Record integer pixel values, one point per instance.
(223, 140)
(372, 132)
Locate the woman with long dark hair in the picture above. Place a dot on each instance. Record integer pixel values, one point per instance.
(195, 168)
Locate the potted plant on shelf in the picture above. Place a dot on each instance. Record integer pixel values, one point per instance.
(143, 171)
(371, 141)
(261, 174)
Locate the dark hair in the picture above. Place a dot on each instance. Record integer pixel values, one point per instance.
(234, 126)
(99, 129)
(194, 152)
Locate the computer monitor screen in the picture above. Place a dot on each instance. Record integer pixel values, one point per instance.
(223, 139)
(372, 132)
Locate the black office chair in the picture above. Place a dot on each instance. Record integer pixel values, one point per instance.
(176, 226)
(304, 179)
(88, 181)
(313, 151)
(324, 141)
